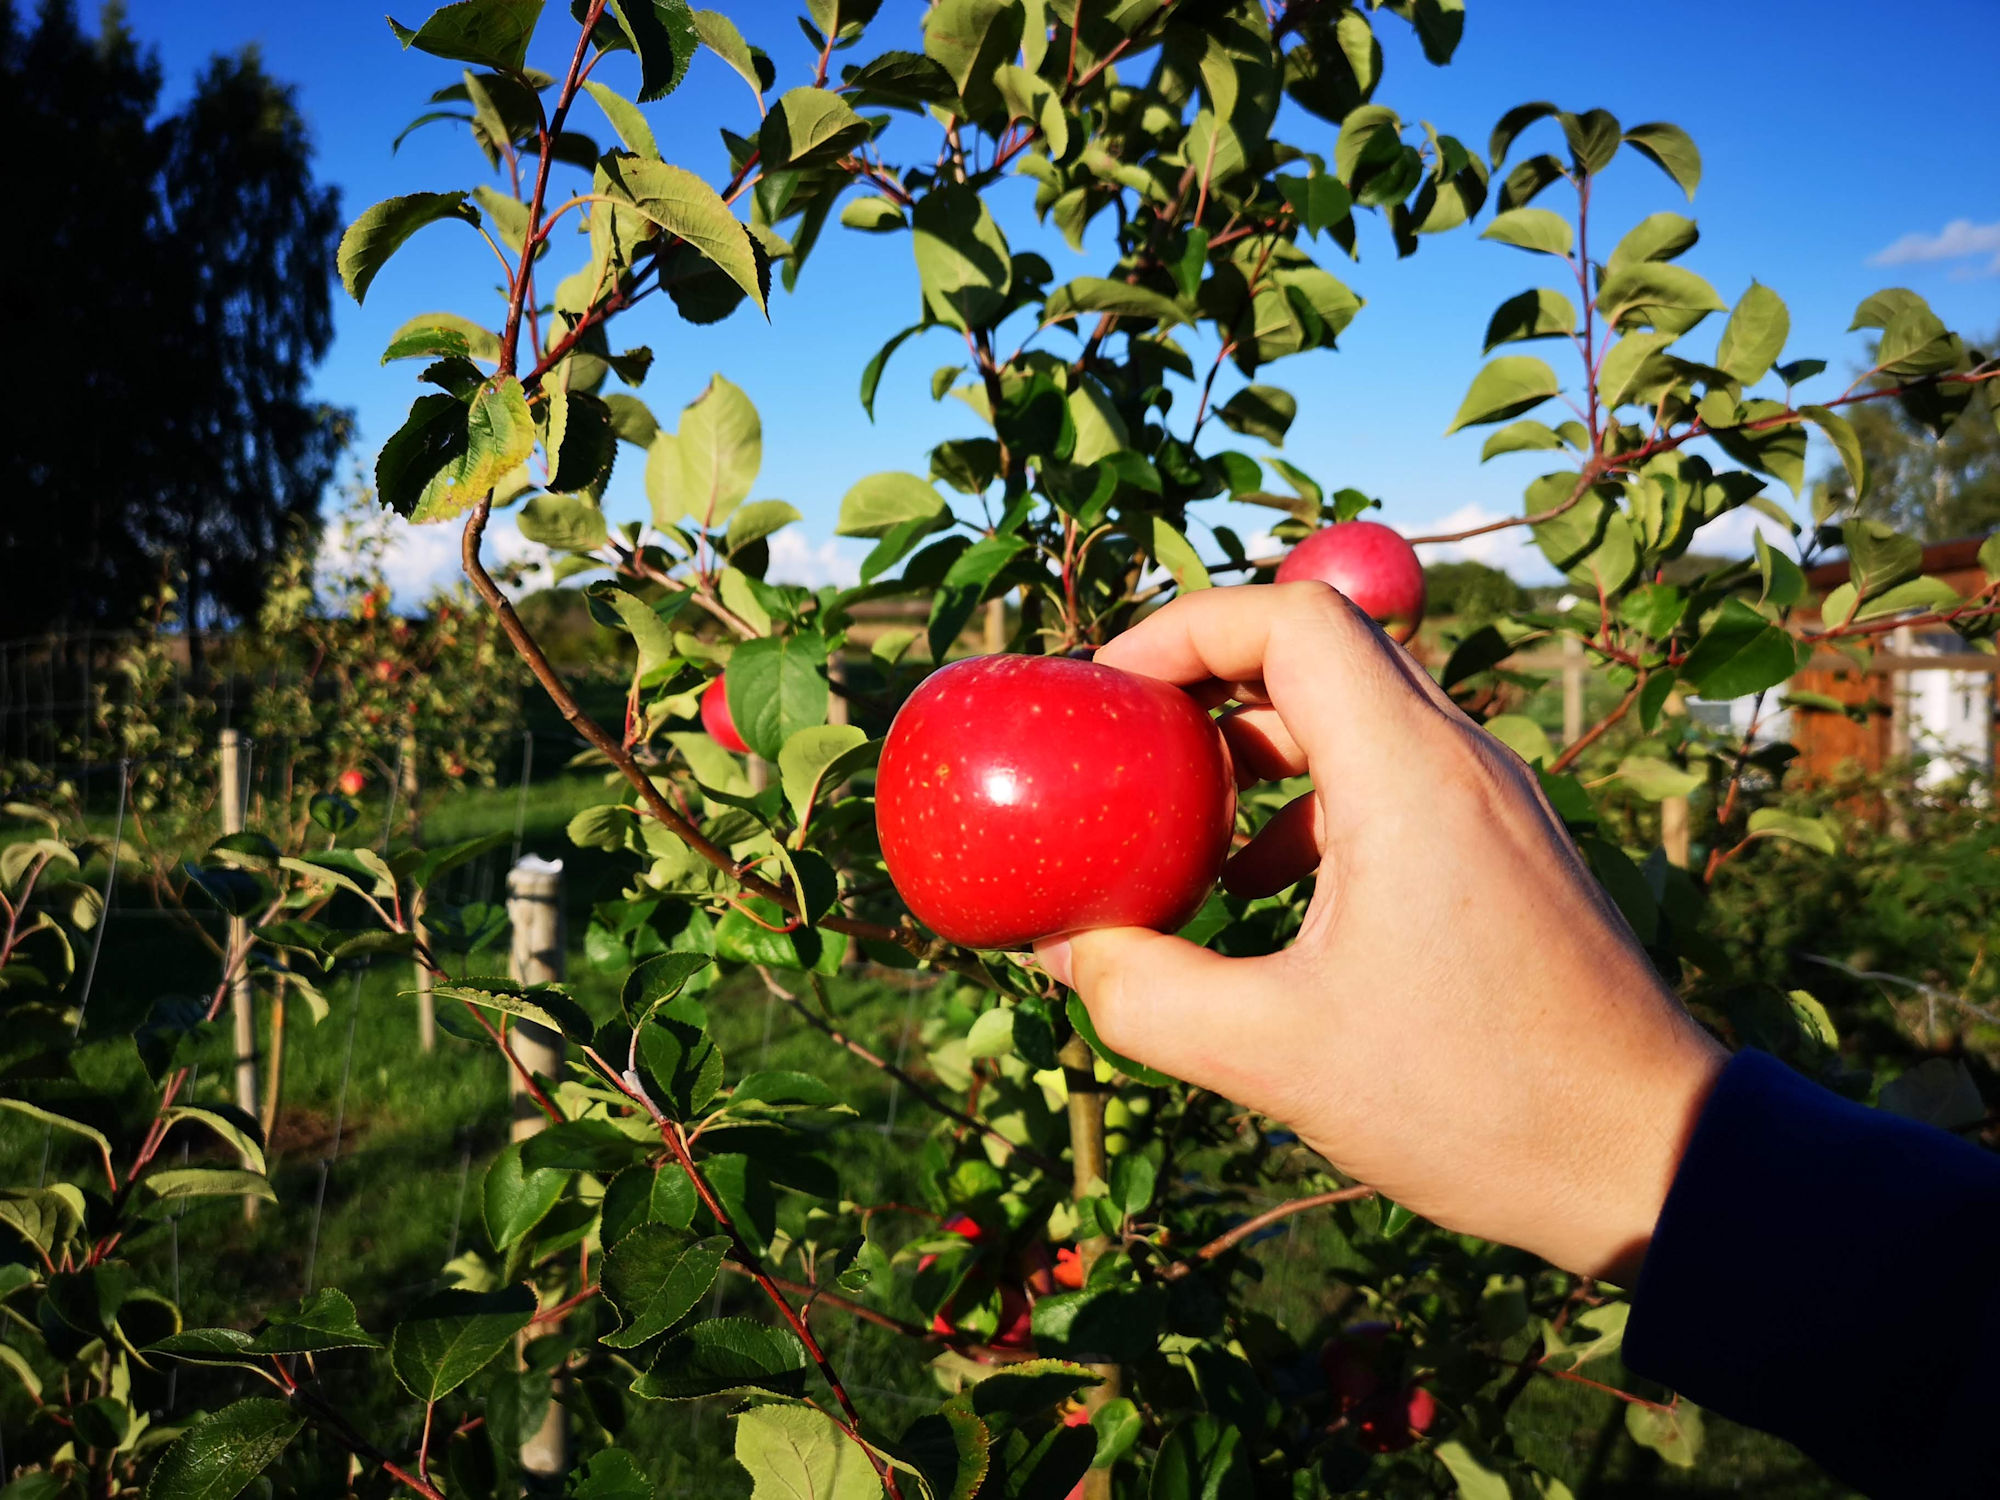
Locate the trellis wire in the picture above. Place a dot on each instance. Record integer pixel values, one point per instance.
(333, 1150)
(902, 1052)
(90, 964)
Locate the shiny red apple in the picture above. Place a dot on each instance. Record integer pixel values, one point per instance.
(1023, 796)
(718, 721)
(1371, 564)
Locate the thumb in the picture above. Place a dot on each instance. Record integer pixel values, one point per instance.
(1166, 1002)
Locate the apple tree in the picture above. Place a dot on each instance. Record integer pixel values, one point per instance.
(1080, 1268)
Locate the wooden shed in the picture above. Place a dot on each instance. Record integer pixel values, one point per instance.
(1920, 690)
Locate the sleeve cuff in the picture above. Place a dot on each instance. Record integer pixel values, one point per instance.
(1824, 1271)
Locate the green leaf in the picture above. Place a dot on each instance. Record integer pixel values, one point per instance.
(1319, 202)
(1670, 149)
(798, 1453)
(380, 232)
(1508, 386)
(806, 757)
(1511, 124)
(323, 1321)
(625, 118)
(663, 33)
(1840, 432)
(545, 1004)
(654, 1276)
(515, 1199)
(1173, 551)
(1914, 342)
(874, 215)
(719, 34)
(970, 40)
(759, 519)
(569, 523)
(685, 206)
(720, 448)
(777, 686)
(447, 457)
(206, 1346)
(878, 504)
(489, 33)
(1673, 1432)
(809, 126)
(1539, 314)
(424, 333)
(1260, 411)
(580, 1146)
(1663, 296)
(1879, 557)
(207, 1182)
(1795, 828)
(218, 1457)
(964, 585)
(1623, 374)
(1779, 449)
(963, 261)
(1523, 736)
(1517, 437)
(1655, 237)
(1657, 779)
(1754, 336)
(1096, 294)
(1133, 1178)
(1118, 1425)
(452, 1335)
(1138, 1072)
(724, 1356)
(1473, 1479)
(1531, 229)
(1740, 653)
(610, 1474)
(76, 1127)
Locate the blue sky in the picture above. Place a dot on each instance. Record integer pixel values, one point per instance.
(1832, 132)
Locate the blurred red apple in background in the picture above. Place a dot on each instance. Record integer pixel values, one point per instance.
(717, 720)
(351, 782)
(1369, 563)
(1023, 796)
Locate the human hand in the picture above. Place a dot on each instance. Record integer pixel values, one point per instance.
(1465, 1020)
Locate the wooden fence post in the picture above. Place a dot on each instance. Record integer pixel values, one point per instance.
(232, 753)
(1572, 689)
(535, 912)
(996, 626)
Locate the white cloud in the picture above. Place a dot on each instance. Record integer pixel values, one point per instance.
(1733, 535)
(1511, 550)
(417, 561)
(796, 558)
(1961, 239)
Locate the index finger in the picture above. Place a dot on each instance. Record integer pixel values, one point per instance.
(1332, 676)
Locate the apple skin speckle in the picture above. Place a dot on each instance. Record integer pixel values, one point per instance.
(1115, 811)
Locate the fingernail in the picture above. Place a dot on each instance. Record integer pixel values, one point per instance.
(1053, 954)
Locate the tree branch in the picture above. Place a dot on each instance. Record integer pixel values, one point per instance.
(1234, 1237)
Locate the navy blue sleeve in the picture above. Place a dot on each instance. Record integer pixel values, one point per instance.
(1831, 1274)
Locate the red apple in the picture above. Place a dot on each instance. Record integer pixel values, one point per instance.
(1394, 1420)
(1369, 563)
(351, 782)
(1023, 796)
(1351, 1362)
(385, 671)
(718, 721)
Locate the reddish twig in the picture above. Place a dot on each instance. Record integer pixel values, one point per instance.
(1236, 1236)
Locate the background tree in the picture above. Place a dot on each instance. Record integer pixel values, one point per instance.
(1936, 486)
(216, 447)
(78, 99)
